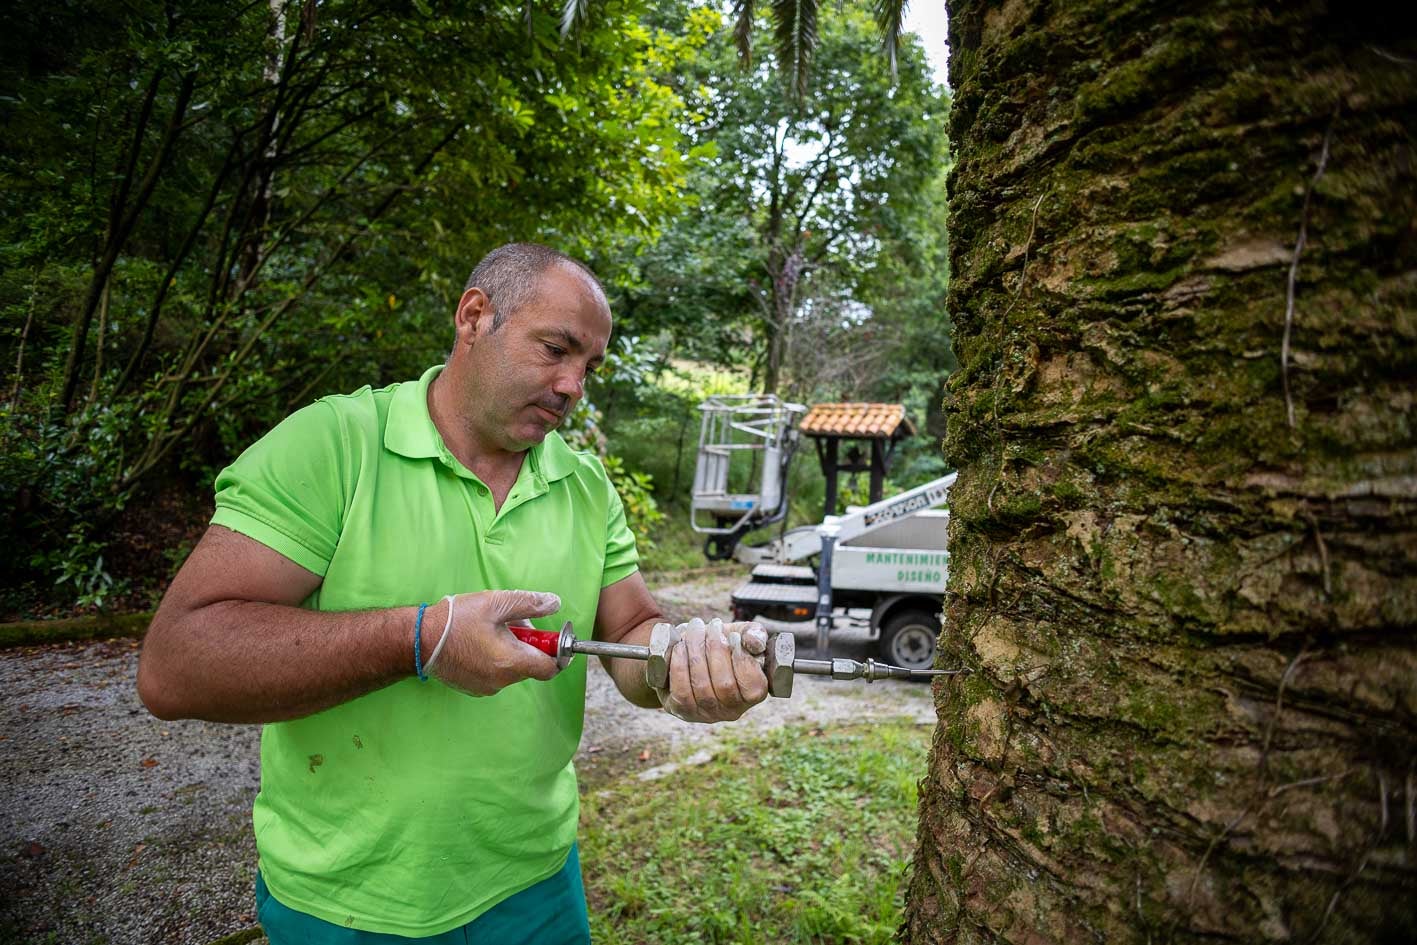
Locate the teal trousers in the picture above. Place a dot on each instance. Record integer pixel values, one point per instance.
(553, 912)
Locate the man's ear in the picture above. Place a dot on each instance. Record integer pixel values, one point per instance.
(474, 315)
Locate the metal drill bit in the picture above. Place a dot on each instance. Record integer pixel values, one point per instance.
(871, 670)
(627, 651)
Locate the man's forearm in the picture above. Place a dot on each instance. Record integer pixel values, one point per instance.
(629, 675)
(247, 661)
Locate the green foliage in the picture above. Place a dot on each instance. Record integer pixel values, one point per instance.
(641, 510)
(855, 489)
(795, 39)
(850, 183)
(210, 215)
(674, 547)
(78, 567)
(815, 257)
(655, 425)
(627, 365)
(800, 836)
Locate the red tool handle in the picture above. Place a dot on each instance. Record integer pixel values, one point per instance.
(544, 640)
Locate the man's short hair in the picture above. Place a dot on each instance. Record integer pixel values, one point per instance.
(509, 275)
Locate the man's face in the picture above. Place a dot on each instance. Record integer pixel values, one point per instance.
(528, 374)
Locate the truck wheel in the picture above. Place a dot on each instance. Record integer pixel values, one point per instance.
(908, 639)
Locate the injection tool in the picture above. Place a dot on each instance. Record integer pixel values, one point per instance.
(780, 662)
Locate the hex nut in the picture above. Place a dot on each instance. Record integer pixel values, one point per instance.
(782, 653)
(657, 666)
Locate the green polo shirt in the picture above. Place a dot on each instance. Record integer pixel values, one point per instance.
(414, 809)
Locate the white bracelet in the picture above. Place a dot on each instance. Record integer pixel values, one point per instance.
(447, 626)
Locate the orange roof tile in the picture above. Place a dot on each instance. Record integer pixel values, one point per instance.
(857, 420)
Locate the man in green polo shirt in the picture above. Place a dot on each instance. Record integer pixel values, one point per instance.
(354, 591)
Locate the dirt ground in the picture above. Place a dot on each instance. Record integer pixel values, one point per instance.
(116, 827)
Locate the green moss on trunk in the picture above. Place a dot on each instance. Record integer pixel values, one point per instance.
(1192, 623)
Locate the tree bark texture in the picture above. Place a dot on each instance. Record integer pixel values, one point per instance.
(1189, 619)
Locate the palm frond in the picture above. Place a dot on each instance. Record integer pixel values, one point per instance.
(574, 14)
(890, 19)
(743, 30)
(795, 29)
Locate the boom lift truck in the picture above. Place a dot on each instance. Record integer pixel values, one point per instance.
(887, 559)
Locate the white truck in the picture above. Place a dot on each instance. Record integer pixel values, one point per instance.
(883, 565)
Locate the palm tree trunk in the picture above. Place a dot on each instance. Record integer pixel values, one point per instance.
(1184, 535)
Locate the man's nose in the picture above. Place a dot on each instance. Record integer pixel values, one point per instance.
(569, 384)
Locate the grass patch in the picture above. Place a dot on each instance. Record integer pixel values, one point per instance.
(675, 546)
(798, 836)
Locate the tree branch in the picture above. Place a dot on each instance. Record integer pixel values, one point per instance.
(161, 444)
(120, 198)
(155, 311)
(817, 188)
(118, 238)
(24, 336)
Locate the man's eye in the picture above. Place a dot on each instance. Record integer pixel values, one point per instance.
(554, 350)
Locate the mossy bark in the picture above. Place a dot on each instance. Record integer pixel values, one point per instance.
(1190, 619)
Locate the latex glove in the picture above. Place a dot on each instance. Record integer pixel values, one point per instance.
(748, 634)
(715, 670)
(481, 656)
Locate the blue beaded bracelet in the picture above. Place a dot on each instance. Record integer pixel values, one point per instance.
(417, 640)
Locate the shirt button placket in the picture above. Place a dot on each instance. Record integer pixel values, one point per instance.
(493, 535)
(482, 514)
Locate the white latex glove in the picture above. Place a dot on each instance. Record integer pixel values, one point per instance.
(480, 656)
(715, 670)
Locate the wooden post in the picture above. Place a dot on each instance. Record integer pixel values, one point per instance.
(878, 470)
(829, 466)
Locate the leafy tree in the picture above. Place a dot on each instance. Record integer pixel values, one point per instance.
(212, 214)
(796, 37)
(799, 201)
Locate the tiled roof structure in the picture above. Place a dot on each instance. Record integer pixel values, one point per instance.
(856, 420)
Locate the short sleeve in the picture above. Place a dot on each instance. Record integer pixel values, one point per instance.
(621, 557)
(287, 489)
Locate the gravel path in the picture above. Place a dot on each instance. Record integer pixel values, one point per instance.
(117, 827)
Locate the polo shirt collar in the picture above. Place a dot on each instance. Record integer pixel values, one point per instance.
(553, 457)
(410, 432)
